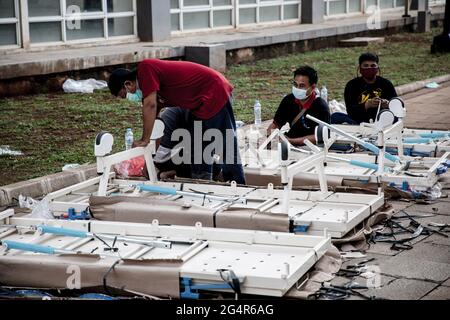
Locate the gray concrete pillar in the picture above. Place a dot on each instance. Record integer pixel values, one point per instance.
(153, 18)
(212, 55)
(423, 5)
(423, 16)
(313, 11)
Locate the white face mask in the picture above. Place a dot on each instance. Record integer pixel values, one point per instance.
(300, 94)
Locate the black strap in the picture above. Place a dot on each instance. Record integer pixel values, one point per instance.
(298, 117)
(105, 284)
(215, 217)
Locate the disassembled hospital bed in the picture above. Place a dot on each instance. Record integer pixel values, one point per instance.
(397, 138)
(417, 174)
(222, 206)
(152, 259)
(175, 239)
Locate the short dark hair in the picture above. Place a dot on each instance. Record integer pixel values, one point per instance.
(309, 72)
(368, 56)
(118, 78)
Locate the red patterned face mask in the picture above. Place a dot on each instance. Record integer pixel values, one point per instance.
(369, 73)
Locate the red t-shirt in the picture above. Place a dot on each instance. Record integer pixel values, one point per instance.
(188, 85)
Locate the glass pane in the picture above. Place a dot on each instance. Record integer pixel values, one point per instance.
(38, 8)
(120, 5)
(88, 29)
(121, 26)
(338, 7)
(174, 4)
(291, 11)
(222, 18)
(45, 32)
(386, 4)
(247, 1)
(354, 6)
(217, 3)
(175, 22)
(269, 14)
(188, 3)
(370, 3)
(8, 34)
(7, 9)
(247, 15)
(400, 3)
(196, 20)
(86, 5)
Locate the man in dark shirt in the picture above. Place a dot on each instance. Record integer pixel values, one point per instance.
(367, 95)
(296, 106)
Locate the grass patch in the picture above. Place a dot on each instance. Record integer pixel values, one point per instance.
(405, 58)
(56, 129)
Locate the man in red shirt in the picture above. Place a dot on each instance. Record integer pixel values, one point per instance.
(202, 90)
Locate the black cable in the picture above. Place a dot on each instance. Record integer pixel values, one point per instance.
(234, 283)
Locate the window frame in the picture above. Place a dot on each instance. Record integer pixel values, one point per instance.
(63, 18)
(357, 13)
(13, 20)
(234, 7)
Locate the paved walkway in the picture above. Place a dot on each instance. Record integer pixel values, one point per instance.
(421, 273)
(429, 108)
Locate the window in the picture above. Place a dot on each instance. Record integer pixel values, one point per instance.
(9, 23)
(260, 11)
(188, 15)
(80, 20)
(343, 7)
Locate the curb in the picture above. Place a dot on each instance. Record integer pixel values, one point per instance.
(415, 86)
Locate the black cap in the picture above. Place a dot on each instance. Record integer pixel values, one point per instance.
(118, 78)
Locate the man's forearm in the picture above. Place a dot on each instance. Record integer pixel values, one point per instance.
(301, 141)
(271, 128)
(149, 116)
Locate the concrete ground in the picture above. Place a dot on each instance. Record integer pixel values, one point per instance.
(423, 272)
(428, 108)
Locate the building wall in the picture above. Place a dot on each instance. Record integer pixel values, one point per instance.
(43, 23)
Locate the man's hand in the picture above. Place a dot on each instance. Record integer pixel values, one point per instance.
(384, 104)
(271, 128)
(140, 143)
(298, 142)
(373, 103)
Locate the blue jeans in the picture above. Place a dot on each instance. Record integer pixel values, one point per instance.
(342, 118)
(232, 169)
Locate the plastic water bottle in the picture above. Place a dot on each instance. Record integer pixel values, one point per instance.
(324, 94)
(129, 139)
(257, 108)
